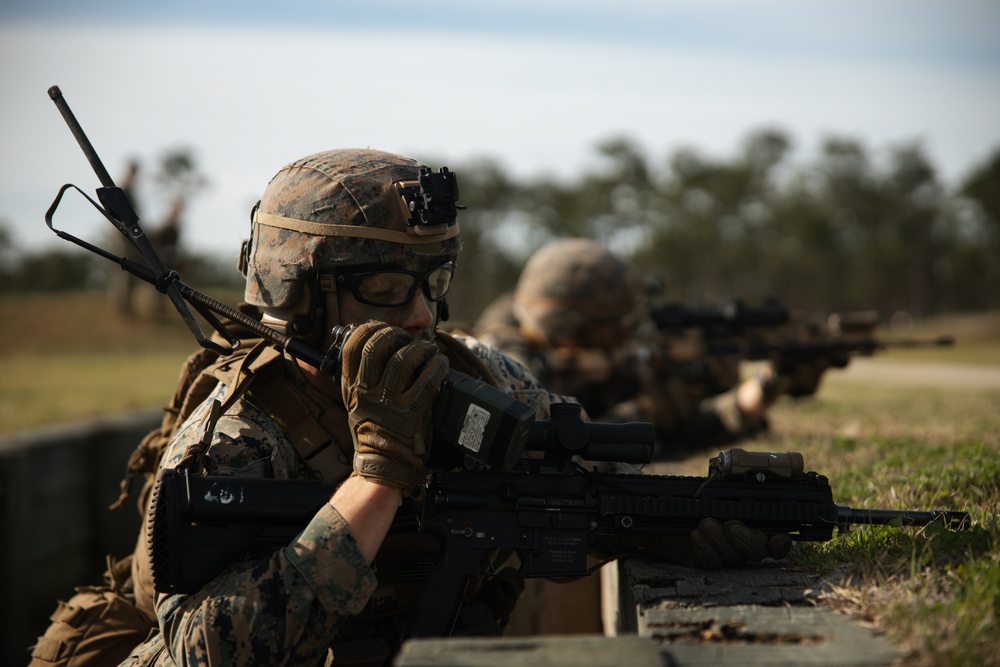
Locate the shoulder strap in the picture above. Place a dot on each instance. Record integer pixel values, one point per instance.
(197, 380)
(192, 388)
(317, 428)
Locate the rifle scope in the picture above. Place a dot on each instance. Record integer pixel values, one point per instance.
(481, 426)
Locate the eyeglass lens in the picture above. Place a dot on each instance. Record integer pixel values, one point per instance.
(395, 288)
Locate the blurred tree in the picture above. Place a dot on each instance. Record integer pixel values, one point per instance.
(494, 241)
(177, 176)
(712, 225)
(976, 233)
(835, 234)
(913, 207)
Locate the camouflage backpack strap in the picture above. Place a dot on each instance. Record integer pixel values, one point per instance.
(237, 373)
(315, 425)
(145, 458)
(193, 387)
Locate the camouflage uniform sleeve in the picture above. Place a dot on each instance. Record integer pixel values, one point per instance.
(514, 378)
(287, 605)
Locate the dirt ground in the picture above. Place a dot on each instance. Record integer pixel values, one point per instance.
(927, 374)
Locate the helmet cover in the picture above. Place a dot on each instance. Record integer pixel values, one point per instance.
(339, 208)
(571, 285)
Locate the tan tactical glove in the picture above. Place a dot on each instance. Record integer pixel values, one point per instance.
(733, 543)
(389, 383)
(711, 546)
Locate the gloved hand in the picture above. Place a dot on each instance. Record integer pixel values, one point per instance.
(733, 543)
(711, 546)
(389, 383)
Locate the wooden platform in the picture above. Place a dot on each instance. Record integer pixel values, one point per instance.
(667, 616)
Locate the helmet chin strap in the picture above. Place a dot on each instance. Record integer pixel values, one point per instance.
(305, 325)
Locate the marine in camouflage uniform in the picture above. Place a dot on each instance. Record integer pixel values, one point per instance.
(325, 221)
(344, 237)
(291, 603)
(574, 319)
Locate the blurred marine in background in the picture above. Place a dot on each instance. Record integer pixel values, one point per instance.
(578, 319)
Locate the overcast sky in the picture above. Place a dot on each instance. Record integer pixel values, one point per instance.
(535, 84)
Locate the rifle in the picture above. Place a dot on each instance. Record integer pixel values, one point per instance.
(199, 524)
(694, 342)
(848, 332)
(548, 511)
(730, 317)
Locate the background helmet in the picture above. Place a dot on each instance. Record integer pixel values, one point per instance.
(573, 291)
(341, 208)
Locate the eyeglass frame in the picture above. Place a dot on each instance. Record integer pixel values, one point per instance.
(352, 282)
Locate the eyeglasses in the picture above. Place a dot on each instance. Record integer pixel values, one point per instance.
(395, 287)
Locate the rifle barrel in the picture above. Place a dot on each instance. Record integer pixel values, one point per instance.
(850, 515)
(81, 137)
(939, 341)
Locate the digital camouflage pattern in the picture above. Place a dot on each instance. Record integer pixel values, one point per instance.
(353, 189)
(286, 606)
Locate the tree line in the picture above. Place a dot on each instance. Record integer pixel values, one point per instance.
(843, 232)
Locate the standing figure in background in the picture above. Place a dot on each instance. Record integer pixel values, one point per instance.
(167, 240)
(122, 284)
(128, 294)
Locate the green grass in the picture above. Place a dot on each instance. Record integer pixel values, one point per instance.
(41, 390)
(65, 357)
(933, 591)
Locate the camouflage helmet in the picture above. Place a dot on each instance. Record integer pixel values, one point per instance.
(340, 208)
(572, 286)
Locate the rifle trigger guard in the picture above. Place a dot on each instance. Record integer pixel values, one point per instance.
(491, 561)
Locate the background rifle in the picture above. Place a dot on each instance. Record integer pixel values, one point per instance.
(728, 318)
(705, 344)
(849, 332)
